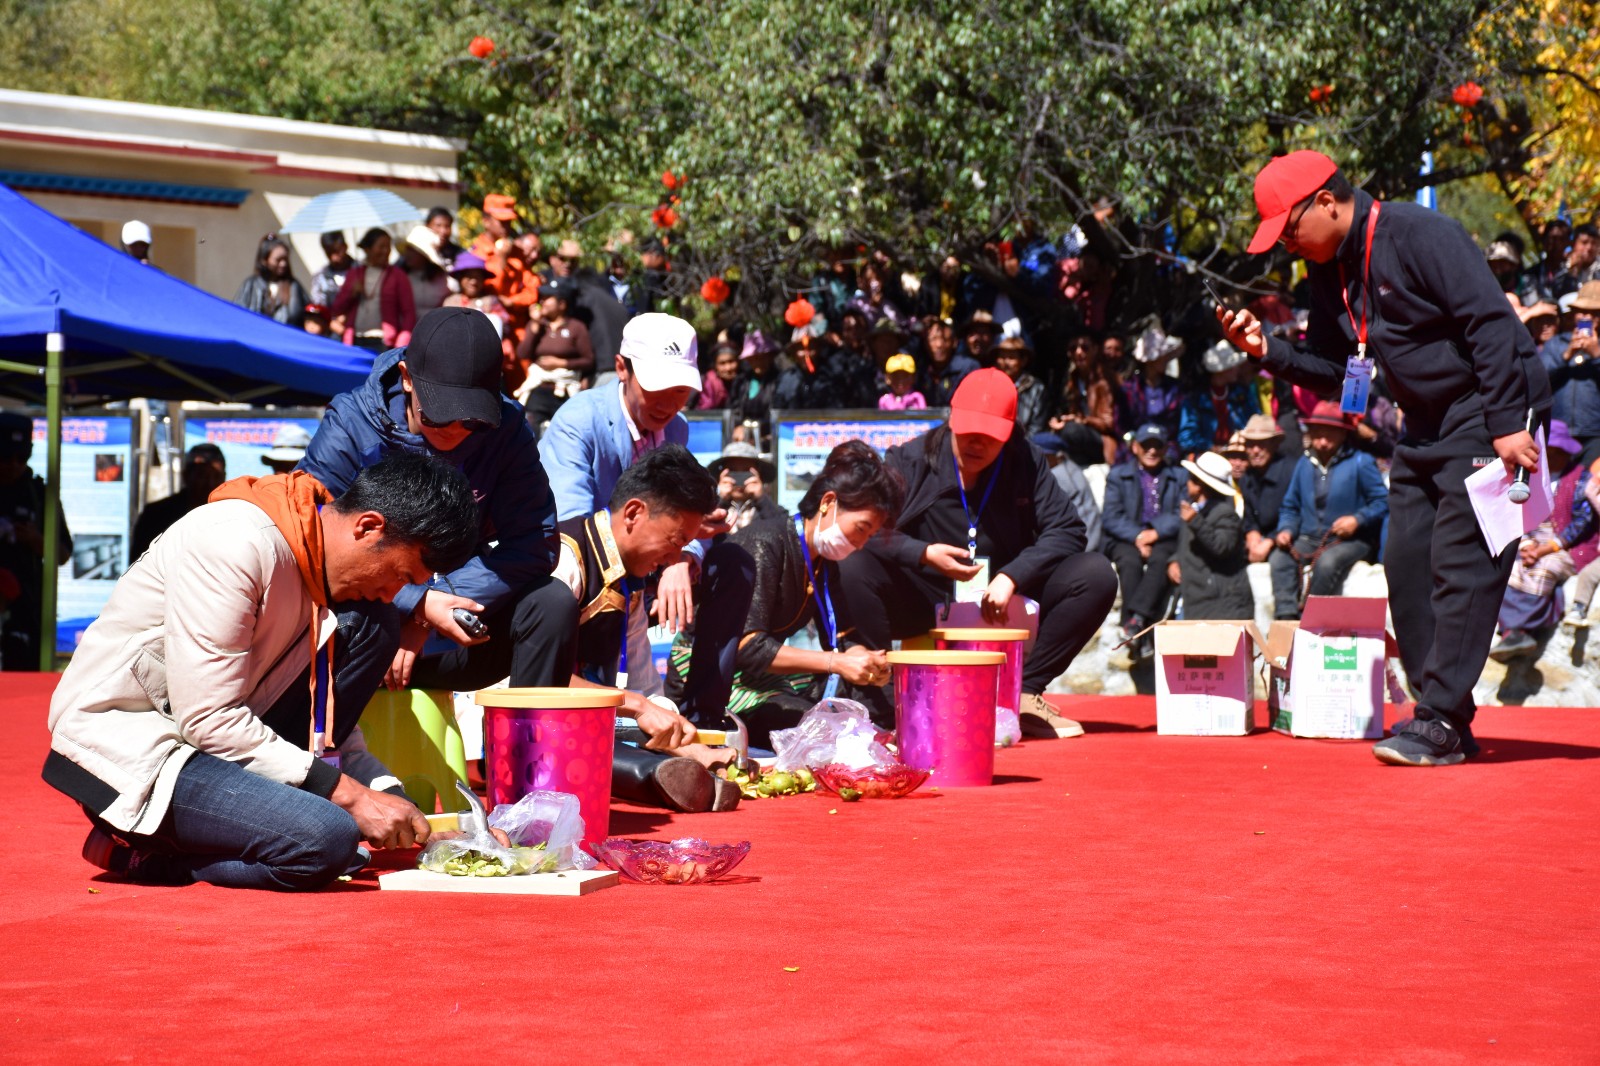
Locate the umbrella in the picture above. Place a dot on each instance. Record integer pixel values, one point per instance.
(348, 209)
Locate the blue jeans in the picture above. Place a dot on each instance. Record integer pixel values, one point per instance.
(230, 827)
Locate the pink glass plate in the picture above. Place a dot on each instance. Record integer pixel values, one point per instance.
(873, 782)
(686, 861)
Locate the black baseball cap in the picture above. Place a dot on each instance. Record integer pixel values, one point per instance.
(454, 360)
(16, 435)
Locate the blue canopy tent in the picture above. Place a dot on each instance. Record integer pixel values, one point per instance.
(81, 322)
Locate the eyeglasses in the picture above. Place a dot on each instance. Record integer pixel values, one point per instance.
(1292, 228)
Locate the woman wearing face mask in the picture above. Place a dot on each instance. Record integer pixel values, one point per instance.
(982, 508)
(797, 584)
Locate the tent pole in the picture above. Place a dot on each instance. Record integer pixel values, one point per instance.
(54, 345)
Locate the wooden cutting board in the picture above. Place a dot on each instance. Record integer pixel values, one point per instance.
(565, 883)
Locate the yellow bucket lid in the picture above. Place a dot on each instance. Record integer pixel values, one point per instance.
(550, 699)
(980, 633)
(946, 658)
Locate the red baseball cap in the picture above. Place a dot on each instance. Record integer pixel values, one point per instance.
(499, 205)
(1281, 184)
(985, 402)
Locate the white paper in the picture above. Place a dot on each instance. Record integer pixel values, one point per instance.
(1502, 521)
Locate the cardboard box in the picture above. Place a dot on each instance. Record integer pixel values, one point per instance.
(1331, 682)
(1205, 678)
(1275, 671)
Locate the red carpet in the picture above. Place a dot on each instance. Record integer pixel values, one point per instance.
(1122, 897)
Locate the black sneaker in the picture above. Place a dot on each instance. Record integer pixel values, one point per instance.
(109, 853)
(1469, 743)
(1422, 742)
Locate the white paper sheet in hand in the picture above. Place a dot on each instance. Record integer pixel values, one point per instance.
(1502, 521)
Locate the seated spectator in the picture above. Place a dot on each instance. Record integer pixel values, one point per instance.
(1572, 359)
(1551, 553)
(424, 268)
(1506, 265)
(617, 278)
(554, 353)
(1150, 394)
(1542, 320)
(981, 502)
(375, 302)
(443, 224)
(1589, 576)
(472, 282)
(1332, 514)
(1208, 418)
(750, 399)
(1209, 568)
(716, 382)
(978, 336)
(884, 340)
(1548, 279)
(1069, 478)
(185, 723)
(742, 480)
(1114, 354)
(799, 583)
(289, 446)
(272, 290)
(326, 283)
(1582, 263)
(943, 371)
(874, 299)
(1087, 412)
(204, 470)
(1263, 485)
(1141, 530)
(600, 433)
(1011, 357)
(650, 294)
(901, 371)
(825, 377)
(1237, 454)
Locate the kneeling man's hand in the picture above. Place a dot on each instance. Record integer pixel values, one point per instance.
(385, 820)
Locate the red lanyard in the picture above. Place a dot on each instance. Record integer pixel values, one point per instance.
(1366, 286)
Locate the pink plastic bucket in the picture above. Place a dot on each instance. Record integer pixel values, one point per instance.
(944, 705)
(556, 739)
(1009, 642)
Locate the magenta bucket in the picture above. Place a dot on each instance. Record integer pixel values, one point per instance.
(944, 709)
(558, 739)
(1009, 642)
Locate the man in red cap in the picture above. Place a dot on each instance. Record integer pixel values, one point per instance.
(982, 506)
(1403, 291)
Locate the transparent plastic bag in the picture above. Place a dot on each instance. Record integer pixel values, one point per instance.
(548, 820)
(834, 731)
(1007, 727)
(469, 855)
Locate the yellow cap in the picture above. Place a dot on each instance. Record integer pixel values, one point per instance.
(900, 364)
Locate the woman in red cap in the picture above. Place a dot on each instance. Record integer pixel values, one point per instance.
(982, 505)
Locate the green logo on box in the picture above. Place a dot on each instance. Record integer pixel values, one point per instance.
(1338, 658)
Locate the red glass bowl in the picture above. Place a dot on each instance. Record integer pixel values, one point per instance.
(873, 782)
(686, 861)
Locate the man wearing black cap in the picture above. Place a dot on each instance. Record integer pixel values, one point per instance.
(22, 501)
(1403, 290)
(440, 396)
(1140, 526)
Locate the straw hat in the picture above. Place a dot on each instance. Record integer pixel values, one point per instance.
(425, 241)
(1213, 471)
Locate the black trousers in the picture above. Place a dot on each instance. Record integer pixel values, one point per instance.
(363, 649)
(888, 602)
(1144, 581)
(1445, 588)
(528, 637)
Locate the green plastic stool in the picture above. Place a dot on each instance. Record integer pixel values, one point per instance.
(414, 733)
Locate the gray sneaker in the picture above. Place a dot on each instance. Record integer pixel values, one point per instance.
(1516, 644)
(1577, 617)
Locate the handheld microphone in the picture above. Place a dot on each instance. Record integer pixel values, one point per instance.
(1520, 490)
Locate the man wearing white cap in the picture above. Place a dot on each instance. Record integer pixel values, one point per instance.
(136, 240)
(598, 433)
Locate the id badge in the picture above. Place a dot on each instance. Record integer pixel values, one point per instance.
(972, 590)
(1357, 385)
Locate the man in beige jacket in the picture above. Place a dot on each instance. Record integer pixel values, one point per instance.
(199, 721)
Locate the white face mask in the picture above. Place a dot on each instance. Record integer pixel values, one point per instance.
(831, 543)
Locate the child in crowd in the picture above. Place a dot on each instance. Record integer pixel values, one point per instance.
(1209, 568)
(902, 395)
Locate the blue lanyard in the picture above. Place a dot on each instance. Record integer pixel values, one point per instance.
(972, 519)
(824, 616)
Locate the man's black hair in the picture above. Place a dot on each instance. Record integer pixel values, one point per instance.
(1340, 186)
(423, 501)
(438, 212)
(1588, 229)
(859, 478)
(1553, 223)
(206, 452)
(667, 478)
(331, 238)
(369, 238)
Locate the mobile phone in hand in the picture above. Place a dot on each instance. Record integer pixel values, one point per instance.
(1212, 292)
(470, 623)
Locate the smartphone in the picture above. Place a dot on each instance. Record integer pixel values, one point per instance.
(1583, 329)
(470, 623)
(1212, 292)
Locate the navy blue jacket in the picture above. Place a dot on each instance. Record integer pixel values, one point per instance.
(1124, 503)
(1355, 487)
(515, 506)
(1577, 388)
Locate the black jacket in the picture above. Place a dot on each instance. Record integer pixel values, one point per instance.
(1121, 516)
(1031, 525)
(785, 599)
(1455, 357)
(1211, 562)
(1263, 492)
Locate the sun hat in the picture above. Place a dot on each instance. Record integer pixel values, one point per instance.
(424, 240)
(756, 343)
(1280, 185)
(1211, 469)
(1501, 251)
(1155, 343)
(663, 350)
(1327, 413)
(1261, 427)
(985, 402)
(289, 444)
(740, 449)
(1588, 298)
(465, 262)
(1235, 445)
(1221, 357)
(1560, 438)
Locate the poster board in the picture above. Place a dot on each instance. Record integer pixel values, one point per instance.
(708, 430)
(99, 476)
(801, 440)
(244, 435)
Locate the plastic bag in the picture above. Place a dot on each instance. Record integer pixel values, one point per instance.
(548, 820)
(834, 731)
(469, 855)
(1007, 727)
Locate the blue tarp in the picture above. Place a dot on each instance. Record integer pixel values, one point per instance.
(57, 279)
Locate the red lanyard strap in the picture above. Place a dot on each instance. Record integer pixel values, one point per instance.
(1366, 286)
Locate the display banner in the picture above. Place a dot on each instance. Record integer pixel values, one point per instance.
(802, 440)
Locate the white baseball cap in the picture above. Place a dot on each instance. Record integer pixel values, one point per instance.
(134, 232)
(664, 352)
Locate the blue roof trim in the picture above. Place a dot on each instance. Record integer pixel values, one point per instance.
(125, 189)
